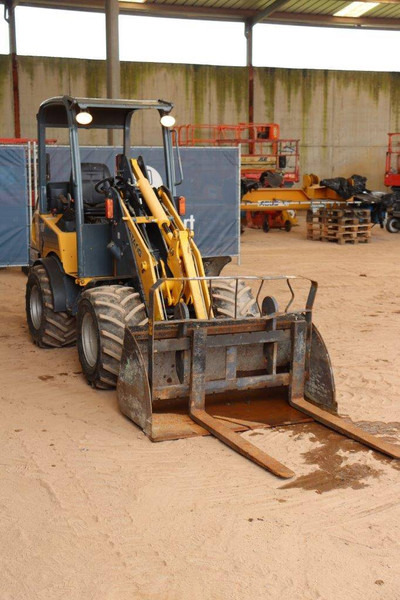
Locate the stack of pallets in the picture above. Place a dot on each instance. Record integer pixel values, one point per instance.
(340, 225)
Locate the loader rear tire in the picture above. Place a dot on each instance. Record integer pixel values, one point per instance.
(49, 329)
(102, 315)
(223, 296)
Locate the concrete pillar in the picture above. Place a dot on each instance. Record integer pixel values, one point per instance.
(14, 63)
(113, 64)
(250, 73)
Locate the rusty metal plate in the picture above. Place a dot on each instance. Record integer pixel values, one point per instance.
(178, 425)
(261, 408)
(252, 412)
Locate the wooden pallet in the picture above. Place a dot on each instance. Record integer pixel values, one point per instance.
(343, 226)
(357, 240)
(314, 231)
(351, 213)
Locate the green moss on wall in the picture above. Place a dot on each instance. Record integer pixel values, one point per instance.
(194, 83)
(325, 96)
(307, 85)
(220, 94)
(27, 66)
(365, 83)
(291, 81)
(185, 73)
(55, 71)
(223, 93)
(62, 66)
(74, 77)
(299, 86)
(376, 83)
(394, 82)
(58, 69)
(5, 74)
(306, 92)
(136, 77)
(200, 84)
(231, 86)
(267, 77)
(95, 78)
(130, 76)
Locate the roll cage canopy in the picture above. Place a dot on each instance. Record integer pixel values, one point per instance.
(107, 114)
(61, 112)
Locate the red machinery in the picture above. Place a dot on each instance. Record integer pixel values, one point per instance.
(16, 141)
(392, 179)
(392, 170)
(261, 147)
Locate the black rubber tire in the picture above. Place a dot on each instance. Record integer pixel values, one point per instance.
(266, 226)
(223, 297)
(49, 329)
(393, 225)
(102, 315)
(288, 226)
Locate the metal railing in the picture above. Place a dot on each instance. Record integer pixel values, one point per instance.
(156, 289)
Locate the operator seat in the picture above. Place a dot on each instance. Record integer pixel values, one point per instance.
(92, 173)
(93, 202)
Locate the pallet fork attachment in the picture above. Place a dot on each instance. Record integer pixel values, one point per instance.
(223, 376)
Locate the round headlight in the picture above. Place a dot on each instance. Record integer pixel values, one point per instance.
(84, 117)
(167, 120)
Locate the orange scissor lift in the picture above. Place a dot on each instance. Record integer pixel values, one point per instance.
(261, 147)
(262, 151)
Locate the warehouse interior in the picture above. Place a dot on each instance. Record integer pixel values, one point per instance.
(91, 507)
(341, 118)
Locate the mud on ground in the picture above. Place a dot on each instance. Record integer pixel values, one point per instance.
(91, 509)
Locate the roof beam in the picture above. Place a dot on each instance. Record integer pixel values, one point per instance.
(380, 1)
(330, 21)
(270, 14)
(263, 14)
(153, 10)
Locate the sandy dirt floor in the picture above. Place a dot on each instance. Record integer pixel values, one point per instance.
(91, 509)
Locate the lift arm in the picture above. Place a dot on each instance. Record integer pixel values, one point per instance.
(184, 259)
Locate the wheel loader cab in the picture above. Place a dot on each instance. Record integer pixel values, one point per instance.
(73, 209)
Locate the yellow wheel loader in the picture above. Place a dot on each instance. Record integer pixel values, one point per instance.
(190, 351)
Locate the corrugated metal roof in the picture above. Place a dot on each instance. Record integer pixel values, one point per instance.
(297, 12)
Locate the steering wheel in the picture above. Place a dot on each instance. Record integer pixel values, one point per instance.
(101, 187)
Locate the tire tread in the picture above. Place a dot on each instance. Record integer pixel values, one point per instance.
(58, 328)
(224, 300)
(115, 306)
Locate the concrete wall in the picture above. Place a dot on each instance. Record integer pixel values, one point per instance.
(342, 118)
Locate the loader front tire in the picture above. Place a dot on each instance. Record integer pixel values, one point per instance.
(49, 329)
(102, 315)
(223, 298)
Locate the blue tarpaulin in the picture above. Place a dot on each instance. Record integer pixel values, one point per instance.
(210, 186)
(14, 226)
